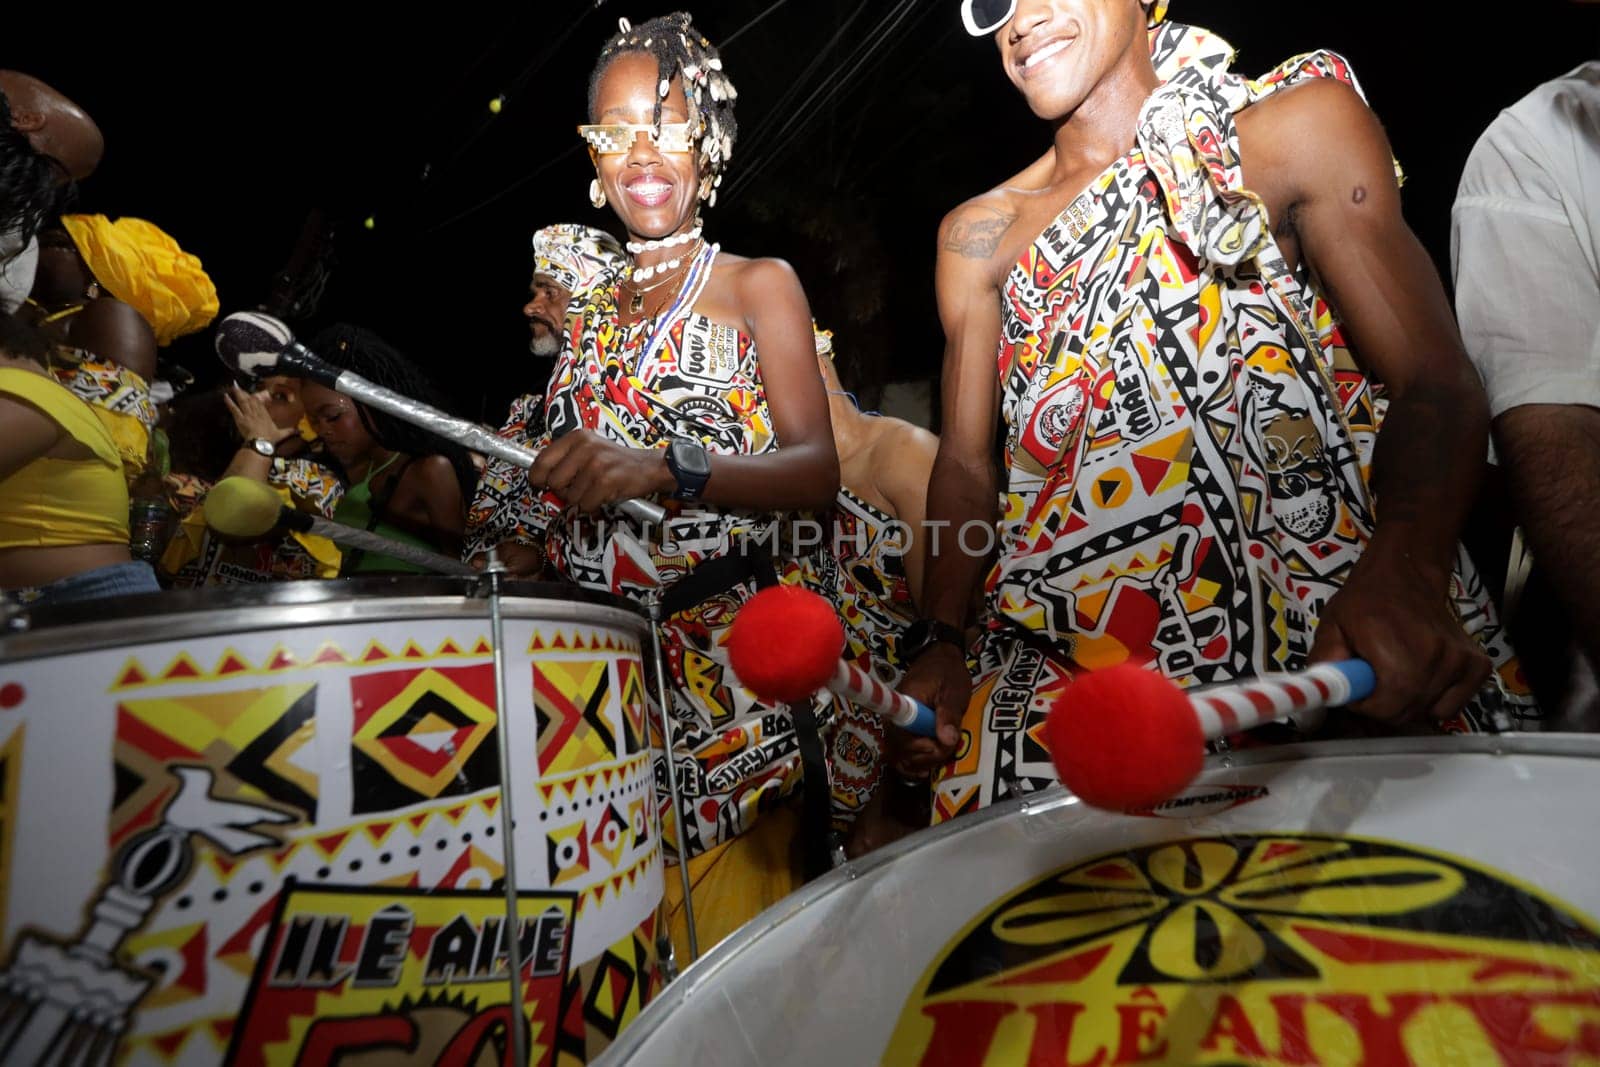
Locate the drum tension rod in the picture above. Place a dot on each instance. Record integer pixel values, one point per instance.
(493, 572)
(664, 699)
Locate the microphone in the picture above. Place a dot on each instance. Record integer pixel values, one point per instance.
(240, 507)
(256, 345)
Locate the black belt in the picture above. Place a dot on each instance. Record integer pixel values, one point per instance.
(713, 578)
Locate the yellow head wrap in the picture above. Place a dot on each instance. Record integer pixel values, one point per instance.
(139, 264)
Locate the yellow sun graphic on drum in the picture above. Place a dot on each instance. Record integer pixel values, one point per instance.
(1268, 949)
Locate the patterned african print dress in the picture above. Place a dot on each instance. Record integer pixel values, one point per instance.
(1189, 443)
(876, 607)
(504, 507)
(194, 557)
(641, 385)
(120, 398)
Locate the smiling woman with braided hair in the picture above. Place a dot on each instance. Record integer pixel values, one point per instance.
(681, 378)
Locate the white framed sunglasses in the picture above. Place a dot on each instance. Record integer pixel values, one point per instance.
(983, 17)
(616, 138)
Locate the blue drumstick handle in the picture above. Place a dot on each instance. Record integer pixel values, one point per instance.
(924, 724)
(1359, 673)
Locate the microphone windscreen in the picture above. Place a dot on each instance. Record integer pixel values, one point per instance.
(241, 507)
(250, 342)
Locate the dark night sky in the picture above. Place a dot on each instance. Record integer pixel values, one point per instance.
(230, 141)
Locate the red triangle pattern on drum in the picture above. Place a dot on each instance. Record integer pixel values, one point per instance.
(482, 647)
(1280, 848)
(231, 664)
(282, 659)
(330, 653)
(182, 667)
(169, 1044)
(1111, 872)
(1347, 947)
(1071, 969)
(329, 844)
(131, 675)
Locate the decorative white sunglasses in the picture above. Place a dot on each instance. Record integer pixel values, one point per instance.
(616, 138)
(983, 17)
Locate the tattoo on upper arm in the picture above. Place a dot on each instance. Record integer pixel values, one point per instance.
(1359, 196)
(979, 238)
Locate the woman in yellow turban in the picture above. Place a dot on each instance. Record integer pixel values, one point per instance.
(109, 293)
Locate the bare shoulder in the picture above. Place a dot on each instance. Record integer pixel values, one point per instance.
(901, 438)
(1312, 145)
(1313, 120)
(117, 332)
(902, 448)
(429, 473)
(991, 230)
(761, 273)
(978, 228)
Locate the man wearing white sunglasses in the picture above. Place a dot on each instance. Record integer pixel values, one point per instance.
(1181, 310)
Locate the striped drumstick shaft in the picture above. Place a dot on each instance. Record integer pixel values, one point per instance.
(862, 689)
(1230, 709)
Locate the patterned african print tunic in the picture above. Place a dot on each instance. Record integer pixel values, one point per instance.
(876, 607)
(194, 557)
(735, 756)
(504, 507)
(1189, 442)
(121, 399)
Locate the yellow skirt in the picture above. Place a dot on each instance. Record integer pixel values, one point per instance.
(736, 881)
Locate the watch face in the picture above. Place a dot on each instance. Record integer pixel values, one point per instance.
(690, 459)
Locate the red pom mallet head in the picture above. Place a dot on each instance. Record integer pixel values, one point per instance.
(1124, 738)
(785, 644)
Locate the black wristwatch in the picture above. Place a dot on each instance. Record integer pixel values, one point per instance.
(924, 634)
(690, 465)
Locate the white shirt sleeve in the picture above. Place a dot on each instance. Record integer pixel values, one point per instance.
(1527, 297)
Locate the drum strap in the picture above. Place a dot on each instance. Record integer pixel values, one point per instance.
(713, 578)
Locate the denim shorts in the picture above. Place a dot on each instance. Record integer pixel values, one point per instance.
(119, 579)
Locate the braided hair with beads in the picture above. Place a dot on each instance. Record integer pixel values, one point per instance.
(680, 50)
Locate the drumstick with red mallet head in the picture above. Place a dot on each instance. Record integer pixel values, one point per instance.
(785, 645)
(1124, 737)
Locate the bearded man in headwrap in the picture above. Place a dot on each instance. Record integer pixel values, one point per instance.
(1181, 311)
(568, 260)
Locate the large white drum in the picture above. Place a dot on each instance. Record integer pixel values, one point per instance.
(1410, 901)
(265, 826)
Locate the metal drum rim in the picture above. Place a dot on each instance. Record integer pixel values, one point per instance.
(705, 969)
(197, 620)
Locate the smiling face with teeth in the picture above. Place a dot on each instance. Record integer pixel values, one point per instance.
(1057, 52)
(653, 192)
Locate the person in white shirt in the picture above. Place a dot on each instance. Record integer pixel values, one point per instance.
(1525, 249)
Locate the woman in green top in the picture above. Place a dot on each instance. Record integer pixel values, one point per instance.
(401, 481)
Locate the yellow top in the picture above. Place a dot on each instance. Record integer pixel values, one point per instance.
(53, 502)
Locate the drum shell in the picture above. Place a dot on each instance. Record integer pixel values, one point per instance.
(355, 724)
(840, 972)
